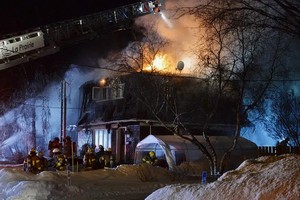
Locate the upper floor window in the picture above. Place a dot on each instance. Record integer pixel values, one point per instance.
(107, 93)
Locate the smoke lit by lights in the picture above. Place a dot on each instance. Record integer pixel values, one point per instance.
(166, 20)
(189, 63)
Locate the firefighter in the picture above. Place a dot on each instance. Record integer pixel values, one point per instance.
(98, 155)
(107, 159)
(156, 8)
(32, 162)
(69, 146)
(60, 160)
(150, 158)
(89, 160)
(43, 164)
(111, 158)
(54, 144)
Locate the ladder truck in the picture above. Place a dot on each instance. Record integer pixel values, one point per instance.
(18, 48)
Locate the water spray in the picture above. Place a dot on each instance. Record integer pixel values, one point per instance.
(166, 20)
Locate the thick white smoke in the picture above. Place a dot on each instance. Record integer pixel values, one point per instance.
(182, 33)
(75, 77)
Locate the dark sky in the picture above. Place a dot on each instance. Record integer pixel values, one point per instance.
(17, 15)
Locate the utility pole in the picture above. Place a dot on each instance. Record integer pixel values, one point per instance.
(63, 113)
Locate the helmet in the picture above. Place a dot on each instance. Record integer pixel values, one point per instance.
(56, 150)
(151, 153)
(40, 153)
(32, 151)
(108, 149)
(90, 150)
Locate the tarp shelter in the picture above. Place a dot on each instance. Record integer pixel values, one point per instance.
(175, 150)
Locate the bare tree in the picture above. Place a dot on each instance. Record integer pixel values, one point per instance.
(235, 62)
(140, 54)
(282, 15)
(284, 121)
(238, 62)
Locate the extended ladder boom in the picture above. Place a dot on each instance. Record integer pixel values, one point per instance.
(31, 44)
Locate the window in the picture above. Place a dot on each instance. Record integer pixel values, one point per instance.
(99, 94)
(103, 137)
(32, 35)
(108, 93)
(117, 92)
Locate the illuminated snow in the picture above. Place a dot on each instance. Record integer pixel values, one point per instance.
(276, 178)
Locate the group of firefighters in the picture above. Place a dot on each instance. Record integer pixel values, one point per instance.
(98, 160)
(35, 162)
(61, 156)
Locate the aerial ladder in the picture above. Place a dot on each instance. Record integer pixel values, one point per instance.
(18, 48)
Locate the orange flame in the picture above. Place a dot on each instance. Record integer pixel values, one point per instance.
(160, 63)
(166, 63)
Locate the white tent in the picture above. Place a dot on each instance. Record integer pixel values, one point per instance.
(175, 150)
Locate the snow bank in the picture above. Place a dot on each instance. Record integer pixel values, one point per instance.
(122, 182)
(16, 184)
(263, 178)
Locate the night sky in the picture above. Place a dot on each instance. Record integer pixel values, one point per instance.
(17, 15)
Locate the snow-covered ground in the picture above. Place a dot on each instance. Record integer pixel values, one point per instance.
(265, 178)
(276, 178)
(124, 183)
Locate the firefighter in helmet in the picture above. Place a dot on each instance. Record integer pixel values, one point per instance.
(99, 155)
(89, 160)
(112, 161)
(69, 147)
(60, 160)
(53, 145)
(108, 159)
(31, 162)
(150, 158)
(43, 164)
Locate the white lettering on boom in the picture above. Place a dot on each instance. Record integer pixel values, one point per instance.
(24, 47)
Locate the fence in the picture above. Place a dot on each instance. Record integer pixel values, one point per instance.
(271, 150)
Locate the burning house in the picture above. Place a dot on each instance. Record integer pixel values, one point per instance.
(120, 111)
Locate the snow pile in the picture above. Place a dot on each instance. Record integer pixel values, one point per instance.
(263, 178)
(16, 184)
(119, 183)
